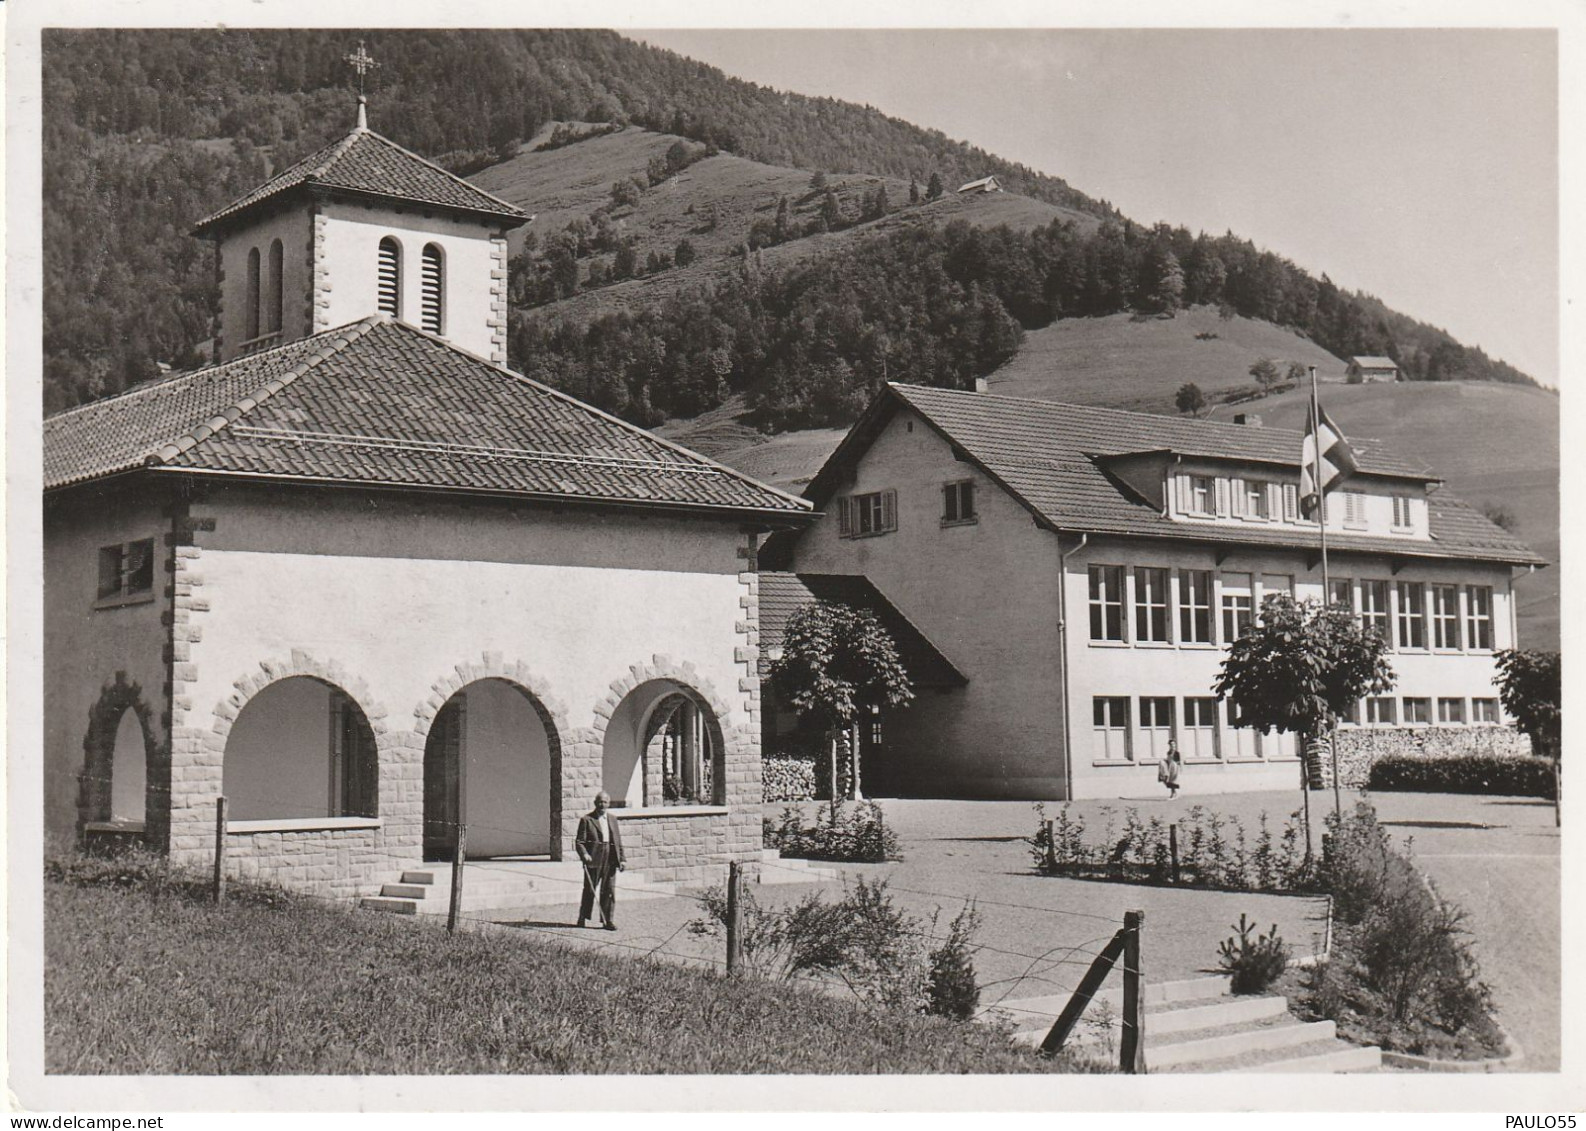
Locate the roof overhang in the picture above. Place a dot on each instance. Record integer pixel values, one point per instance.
(218, 225)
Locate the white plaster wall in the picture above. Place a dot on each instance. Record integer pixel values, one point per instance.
(1181, 670)
(278, 754)
(351, 235)
(85, 646)
(507, 773)
(292, 229)
(1378, 493)
(985, 594)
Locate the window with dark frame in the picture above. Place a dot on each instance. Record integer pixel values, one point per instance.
(1484, 711)
(1380, 711)
(1238, 606)
(1200, 728)
(958, 502)
(1106, 602)
(1417, 710)
(127, 570)
(1156, 725)
(1451, 711)
(1374, 608)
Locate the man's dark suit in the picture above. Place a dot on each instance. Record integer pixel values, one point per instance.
(601, 861)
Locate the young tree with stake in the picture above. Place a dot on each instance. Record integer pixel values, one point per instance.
(1300, 667)
(838, 662)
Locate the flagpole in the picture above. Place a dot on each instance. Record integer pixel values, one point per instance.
(1327, 587)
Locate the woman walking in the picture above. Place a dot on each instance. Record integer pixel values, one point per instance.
(1168, 769)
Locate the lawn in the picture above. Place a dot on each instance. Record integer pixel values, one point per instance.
(148, 978)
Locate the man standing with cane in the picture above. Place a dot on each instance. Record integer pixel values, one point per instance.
(599, 846)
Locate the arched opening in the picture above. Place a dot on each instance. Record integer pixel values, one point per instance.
(272, 309)
(432, 290)
(663, 746)
(301, 748)
(389, 282)
(251, 310)
(129, 775)
(492, 762)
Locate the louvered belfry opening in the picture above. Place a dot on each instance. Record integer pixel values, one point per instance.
(432, 292)
(390, 283)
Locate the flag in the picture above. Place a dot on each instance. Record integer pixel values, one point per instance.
(1325, 459)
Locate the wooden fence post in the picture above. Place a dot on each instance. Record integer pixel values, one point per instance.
(1172, 848)
(1051, 845)
(1131, 1052)
(734, 940)
(220, 850)
(455, 907)
(1100, 967)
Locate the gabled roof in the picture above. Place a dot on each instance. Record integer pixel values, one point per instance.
(367, 164)
(782, 593)
(1054, 459)
(381, 403)
(1375, 362)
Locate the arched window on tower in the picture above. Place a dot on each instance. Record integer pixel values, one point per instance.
(390, 282)
(252, 306)
(272, 309)
(433, 290)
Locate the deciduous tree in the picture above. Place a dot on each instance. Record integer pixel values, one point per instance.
(838, 662)
(1190, 399)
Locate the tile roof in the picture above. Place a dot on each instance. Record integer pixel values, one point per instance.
(1375, 362)
(1050, 456)
(364, 162)
(782, 593)
(379, 402)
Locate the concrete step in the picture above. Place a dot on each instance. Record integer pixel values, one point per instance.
(1174, 1054)
(1163, 1022)
(491, 888)
(392, 906)
(1159, 997)
(1342, 1058)
(404, 891)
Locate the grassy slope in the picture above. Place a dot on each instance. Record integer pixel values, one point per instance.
(561, 185)
(149, 982)
(1126, 361)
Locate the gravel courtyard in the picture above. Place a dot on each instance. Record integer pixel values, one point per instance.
(1497, 857)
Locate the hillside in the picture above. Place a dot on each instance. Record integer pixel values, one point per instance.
(1126, 361)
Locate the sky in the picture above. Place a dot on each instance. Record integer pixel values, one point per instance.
(1420, 166)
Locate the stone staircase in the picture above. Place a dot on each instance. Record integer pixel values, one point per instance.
(1198, 1026)
(495, 885)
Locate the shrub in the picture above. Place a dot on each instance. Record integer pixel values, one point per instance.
(1514, 776)
(864, 941)
(1253, 964)
(1403, 972)
(859, 835)
(952, 990)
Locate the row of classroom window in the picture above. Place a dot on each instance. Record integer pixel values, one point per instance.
(1200, 738)
(1406, 613)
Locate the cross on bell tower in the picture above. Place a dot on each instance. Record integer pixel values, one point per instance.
(362, 62)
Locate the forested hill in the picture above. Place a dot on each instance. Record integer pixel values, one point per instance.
(145, 131)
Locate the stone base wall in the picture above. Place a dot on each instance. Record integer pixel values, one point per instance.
(690, 848)
(1359, 747)
(336, 863)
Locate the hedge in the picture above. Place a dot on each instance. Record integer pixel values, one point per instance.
(1526, 776)
(788, 777)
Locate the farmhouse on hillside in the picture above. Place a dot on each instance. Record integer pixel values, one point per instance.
(1081, 569)
(1367, 370)
(984, 184)
(373, 588)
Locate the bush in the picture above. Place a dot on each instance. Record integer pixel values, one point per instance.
(1512, 776)
(863, 941)
(1402, 973)
(1253, 964)
(859, 835)
(952, 990)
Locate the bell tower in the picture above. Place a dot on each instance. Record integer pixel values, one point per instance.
(362, 227)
